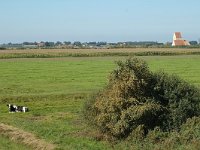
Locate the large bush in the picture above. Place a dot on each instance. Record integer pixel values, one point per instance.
(135, 98)
(181, 99)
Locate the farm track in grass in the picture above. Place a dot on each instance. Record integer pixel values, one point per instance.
(54, 53)
(55, 90)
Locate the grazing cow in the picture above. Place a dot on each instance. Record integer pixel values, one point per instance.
(14, 108)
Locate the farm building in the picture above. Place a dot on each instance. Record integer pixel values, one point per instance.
(178, 40)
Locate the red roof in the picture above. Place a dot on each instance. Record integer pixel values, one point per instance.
(178, 35)
(180, 42)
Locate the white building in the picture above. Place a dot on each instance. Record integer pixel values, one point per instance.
(178, 40)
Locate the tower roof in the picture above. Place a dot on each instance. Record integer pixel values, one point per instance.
(178, 35)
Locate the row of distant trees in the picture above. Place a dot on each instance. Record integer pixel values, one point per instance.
(78, 44)
(54, 44)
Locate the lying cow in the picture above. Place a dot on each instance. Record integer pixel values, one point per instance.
(14, 108)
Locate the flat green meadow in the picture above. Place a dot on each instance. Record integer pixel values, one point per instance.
(55, 90)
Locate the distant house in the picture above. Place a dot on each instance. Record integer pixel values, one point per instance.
(41, 44)
(30, 46)
(178, 40)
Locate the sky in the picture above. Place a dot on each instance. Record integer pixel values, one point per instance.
(98, 20)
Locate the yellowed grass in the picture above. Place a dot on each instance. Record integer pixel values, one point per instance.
(82, 51)
(26, 138)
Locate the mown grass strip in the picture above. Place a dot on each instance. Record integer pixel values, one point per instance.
(26, 138)
(7, 144)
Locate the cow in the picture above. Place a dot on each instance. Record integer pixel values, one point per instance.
(15, 108)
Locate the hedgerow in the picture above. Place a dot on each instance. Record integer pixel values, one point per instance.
(94, 54)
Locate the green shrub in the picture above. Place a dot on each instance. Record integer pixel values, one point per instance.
(179, 97)
(135, 97)
(190, 131)
(188, 137)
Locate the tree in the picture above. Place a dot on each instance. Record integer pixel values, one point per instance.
(49, 44)
(58, 43)
(67, 43)
(193, 42)
(77, 43)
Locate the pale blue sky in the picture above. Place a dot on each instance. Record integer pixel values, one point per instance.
(98, 20)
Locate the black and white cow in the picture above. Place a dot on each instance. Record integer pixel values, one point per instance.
(14, 108)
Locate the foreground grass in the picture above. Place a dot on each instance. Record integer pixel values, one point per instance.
(57, 119)
(55, 91)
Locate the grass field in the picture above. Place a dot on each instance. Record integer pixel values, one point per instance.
(55, 90)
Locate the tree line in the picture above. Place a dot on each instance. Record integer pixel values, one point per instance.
(93, 44)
